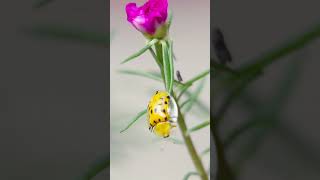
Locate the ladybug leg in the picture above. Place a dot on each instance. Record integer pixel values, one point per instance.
(150, 127)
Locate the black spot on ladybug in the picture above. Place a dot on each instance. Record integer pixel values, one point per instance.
(166, 102)
(157, 92)
(151, 111)
(168, 97)
(166, 118)
(159, 120)
(164, 111)
(155, 122)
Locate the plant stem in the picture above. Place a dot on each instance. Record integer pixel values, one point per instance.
(158, 48)
(183, 127)
(188, 141)
(224, 169)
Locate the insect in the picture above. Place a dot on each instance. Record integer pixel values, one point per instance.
(179, 76)
(220, 46)
(162, 114)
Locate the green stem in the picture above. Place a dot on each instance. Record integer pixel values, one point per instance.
(158, 48)
(183, 127)
(224, 169)
(188, 141)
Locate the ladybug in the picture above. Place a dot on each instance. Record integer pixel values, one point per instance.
(162, 113)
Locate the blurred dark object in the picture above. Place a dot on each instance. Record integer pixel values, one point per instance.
(41, 3)
(220, 47)
(179, 76)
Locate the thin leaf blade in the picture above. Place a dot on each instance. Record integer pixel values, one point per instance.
(194, 97)
(198, 77)
(95, 168)
(199, 126)
(189, 174)
(141, 51)
(171, 66)
(142, 74)
(75, 34)
(168, 76)
(137, 117)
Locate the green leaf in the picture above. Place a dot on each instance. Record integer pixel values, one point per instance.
(206, 151)
(189, 83)
(167, 66)
(155, 58)
(151, 75)
(141, 51)
(157, 77)
(140, 114)
(95, 168)
(269, 116)
(234, 93)
(142, 73)
(198, 127)
(194, 97)
(198, 77)
(288, 47)
(67, 33)
(185, 103)
(189, 174)
(222, 67)
(171, 63)
(183, 90)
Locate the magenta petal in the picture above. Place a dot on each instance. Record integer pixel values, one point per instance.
(132, 11)
(149, 16)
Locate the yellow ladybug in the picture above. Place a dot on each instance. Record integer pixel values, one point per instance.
(162, 113)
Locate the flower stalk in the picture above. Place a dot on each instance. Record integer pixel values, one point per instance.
(181, 122)
(151, 20)
(191, 149)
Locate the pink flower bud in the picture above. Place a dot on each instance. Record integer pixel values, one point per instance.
(150, 18)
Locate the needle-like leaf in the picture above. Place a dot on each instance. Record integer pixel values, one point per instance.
(206, 151)
(95, 168)
(142, 73)
(198, 77)
(194, 97)
(167, 66)
(138, 116)
(189, 83)
(199, 126)
(141, 51)
(171, 66)
(67, 33)
(157, 77)
(189, 174)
